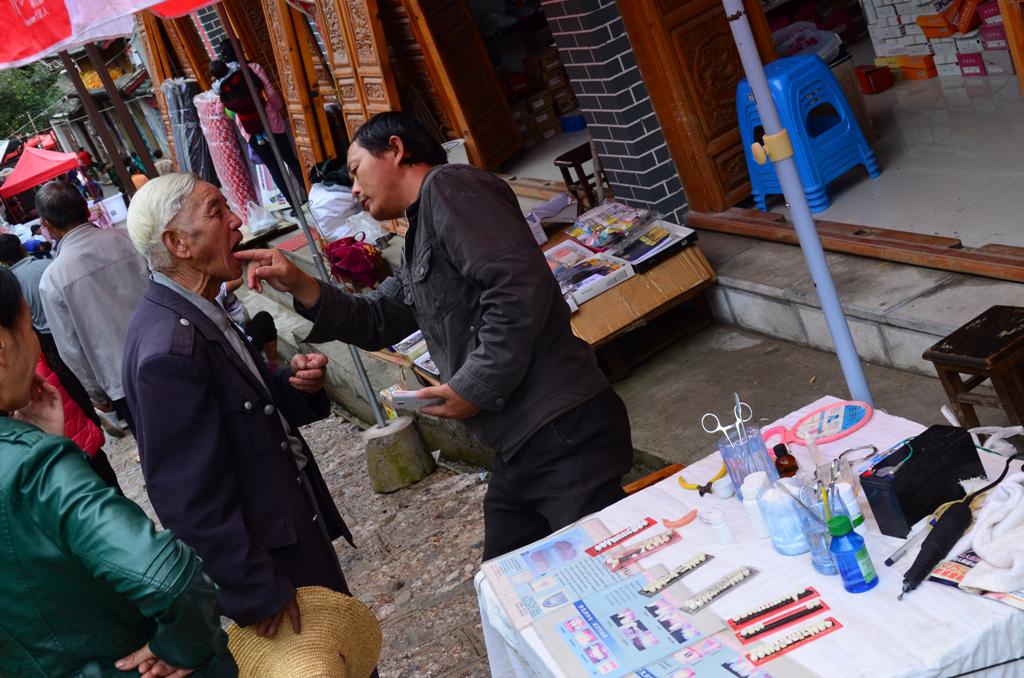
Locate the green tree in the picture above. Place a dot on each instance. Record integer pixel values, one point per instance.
(29, 90)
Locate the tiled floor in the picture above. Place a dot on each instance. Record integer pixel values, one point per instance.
(539, 162)
(952, 157)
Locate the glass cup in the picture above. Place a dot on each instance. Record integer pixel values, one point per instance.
(743, 457)
(819, 539)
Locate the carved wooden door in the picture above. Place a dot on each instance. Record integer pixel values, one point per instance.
(691, 67)
(299, 83)
(1013, 20)
(461, 69)
(356, 46)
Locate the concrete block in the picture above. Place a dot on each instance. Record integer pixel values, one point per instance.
(718, 247)
(905, 349)
(396, 456)
(764, 268)
(866, 335)
(765, 315)
(943, 309)
(720, 305)
(869, 288)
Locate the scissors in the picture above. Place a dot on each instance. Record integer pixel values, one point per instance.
(711, 423)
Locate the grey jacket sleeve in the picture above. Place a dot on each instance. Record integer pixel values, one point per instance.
(482, 230)
(370, 321)
(62, 327)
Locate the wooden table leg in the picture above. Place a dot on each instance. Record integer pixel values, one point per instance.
(953, 385)
(1010, 395)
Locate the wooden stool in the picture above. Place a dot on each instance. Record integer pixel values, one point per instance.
(991, 347)
(580, 187)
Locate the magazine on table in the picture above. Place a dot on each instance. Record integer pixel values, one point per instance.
(951, 572)
(583, 274)
(658, 241)
(424, 362)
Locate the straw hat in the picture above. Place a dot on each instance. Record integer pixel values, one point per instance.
(340, 638)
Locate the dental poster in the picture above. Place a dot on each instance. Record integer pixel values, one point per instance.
(545, 576)
(618, 631)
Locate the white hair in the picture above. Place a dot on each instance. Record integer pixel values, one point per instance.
(152, 209)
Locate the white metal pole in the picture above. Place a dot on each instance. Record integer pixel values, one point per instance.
(780, 152)
(292, 187)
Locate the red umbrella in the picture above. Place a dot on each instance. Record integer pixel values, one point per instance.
(35, 167)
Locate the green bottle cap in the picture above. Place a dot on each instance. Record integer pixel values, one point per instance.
(839, 525)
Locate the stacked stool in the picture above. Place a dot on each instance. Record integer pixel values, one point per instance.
(825, 146)
(988, 348)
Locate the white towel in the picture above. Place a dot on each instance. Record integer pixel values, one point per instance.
(998, 538)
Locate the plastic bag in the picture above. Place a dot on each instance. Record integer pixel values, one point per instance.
(370, 227)
(259, 220)
(803, 37)
(331, 208)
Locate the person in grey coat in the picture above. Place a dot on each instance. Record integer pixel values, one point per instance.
(89, 293)
(497, 327)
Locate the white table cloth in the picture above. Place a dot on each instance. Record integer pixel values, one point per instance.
(935, 631)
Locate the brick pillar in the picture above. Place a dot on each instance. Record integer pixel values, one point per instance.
(611, 92)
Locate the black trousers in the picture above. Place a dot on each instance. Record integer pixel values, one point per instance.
(261, 330)
(266, 154)
(571, 467)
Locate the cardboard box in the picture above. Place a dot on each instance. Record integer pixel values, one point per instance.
(520, 111)
(526, 128)
(565, 101)
(538, 101)
(941, 59)
(994, 37)
(544, 60)
(892, 63)
(846, 75)
(555, 80)
(948, 70)
(969, 43)
(972, 65)
(998, 62)
(543, 118)
(944, 46)
(935, 26)
(916, 62)
(989, 14)
(918, 50)
(885, 11)
(883, 32)
(965, 15)
(552, 129)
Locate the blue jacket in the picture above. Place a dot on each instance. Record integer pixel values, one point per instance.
(216, 460)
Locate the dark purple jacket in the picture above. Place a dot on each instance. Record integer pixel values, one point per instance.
(216, 461)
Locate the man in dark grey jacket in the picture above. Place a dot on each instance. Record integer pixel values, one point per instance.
(476, 284)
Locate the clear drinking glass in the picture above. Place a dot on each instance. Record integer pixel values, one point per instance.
(819, 539)
(743, 457)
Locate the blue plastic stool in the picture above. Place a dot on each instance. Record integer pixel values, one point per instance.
(827, 143)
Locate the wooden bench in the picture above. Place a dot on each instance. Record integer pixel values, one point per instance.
(988, 348)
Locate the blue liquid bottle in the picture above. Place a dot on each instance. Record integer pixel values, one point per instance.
(851, 555)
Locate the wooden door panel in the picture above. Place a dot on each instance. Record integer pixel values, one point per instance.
(1013, 21)
(360, 58)
(689, 62)
(459, 65)
(299, 89)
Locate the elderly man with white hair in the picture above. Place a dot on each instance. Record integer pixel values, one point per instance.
(225, 466)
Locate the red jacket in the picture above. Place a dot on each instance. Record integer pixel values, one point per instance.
(77, 426)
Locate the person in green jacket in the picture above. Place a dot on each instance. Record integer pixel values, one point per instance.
(88, 586)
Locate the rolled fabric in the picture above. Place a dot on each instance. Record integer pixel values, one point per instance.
(228, 160)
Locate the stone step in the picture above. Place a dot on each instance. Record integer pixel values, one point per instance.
(895, 311)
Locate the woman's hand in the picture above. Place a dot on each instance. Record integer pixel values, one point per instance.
(149, 665)
(273, 267)
(45, 411)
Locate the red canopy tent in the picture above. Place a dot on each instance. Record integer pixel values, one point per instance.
(34, 167)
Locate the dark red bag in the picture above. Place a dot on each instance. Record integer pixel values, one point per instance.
(355, 261)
